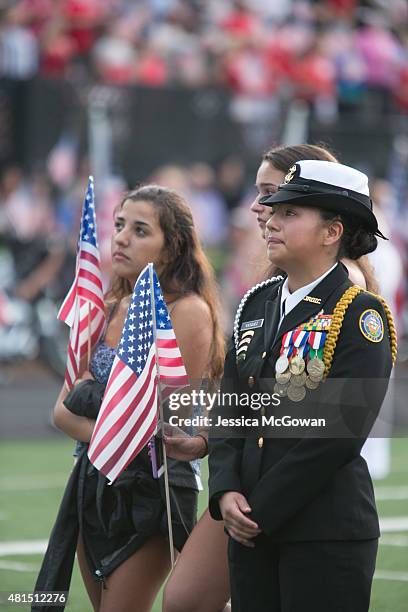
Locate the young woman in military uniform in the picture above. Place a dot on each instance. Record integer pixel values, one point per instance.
(200, 581)
(271, 173)
(300, 511)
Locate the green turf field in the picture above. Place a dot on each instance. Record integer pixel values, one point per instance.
(32, 477)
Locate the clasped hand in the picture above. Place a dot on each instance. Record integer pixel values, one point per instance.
(234, 508)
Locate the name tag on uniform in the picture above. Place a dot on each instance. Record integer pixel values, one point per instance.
(252, 324)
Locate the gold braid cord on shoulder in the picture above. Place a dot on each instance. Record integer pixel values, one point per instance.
(337, 321)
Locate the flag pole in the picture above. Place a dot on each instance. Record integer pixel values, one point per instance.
(89, 336)
(166, 474)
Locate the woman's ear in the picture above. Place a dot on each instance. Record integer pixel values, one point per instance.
(334, 232)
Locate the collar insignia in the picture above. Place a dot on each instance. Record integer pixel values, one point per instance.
(314, 300)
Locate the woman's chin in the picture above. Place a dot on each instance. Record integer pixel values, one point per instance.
(121, 269)
(274, 254)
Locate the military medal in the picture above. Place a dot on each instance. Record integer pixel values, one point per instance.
(316, 378)
(300, 366)
(311, 384)
(283, 377)
(315, 367)
(296, 394)
(282, 364)
(298, 380)
(280, 389)
(297, 365)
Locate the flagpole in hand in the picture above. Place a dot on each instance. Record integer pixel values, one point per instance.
(83, 309)
(88, 361)
(141, 374)
(159, 393)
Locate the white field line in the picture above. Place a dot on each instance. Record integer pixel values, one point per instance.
(395, 576)
(16, 566)
(391, 524)
(391, 493)
(23, 547)
(400, 541)
(30, 547)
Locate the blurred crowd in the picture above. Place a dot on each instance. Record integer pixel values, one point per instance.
(325, 52)
(41, 219)
(330, 54)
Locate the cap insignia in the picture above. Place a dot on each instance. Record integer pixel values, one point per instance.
(290, 174)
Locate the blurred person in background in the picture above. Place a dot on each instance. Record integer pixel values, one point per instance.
(173, 177)
(30, 232)
(245, 261)
(207, 205)
(389, 270)
(114, 55)
(122, 528)
(231, 181)
(18, 46)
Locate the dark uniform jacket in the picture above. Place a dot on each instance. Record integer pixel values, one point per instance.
(305, 488)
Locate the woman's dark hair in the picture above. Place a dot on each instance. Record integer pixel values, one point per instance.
(356, 242)
(283, 157)
(187, 269)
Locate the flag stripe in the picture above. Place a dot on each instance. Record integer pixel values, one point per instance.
(172, 372)
(146, 432)
(89, 294)
(166, 334)
(87, 278)
(66, 311)
(137, 409)
(83, 308)
(117, 377)
(128, 415)
(172, 353)
(165, 362)
(167, 343)
(132, 394)
(118, 392)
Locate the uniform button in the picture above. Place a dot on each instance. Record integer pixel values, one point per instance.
(260, 442)
(264, 355)
(251, 381)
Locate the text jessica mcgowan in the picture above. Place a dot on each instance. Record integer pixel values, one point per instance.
(261, 421)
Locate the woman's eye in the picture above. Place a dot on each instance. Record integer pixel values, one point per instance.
(140, 231)
(118, 226)
(266, 192)
(289, 212)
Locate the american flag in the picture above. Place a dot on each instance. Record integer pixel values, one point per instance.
(129, 413)
(83, 308)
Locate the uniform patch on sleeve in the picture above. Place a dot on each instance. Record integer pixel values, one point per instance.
(371, 325)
